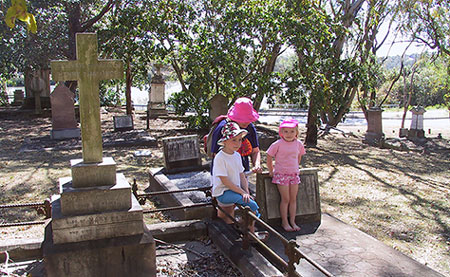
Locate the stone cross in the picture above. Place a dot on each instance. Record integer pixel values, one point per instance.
(88, 70)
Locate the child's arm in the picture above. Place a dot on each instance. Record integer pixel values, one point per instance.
(244, 185)
(231, 186)
(270, 164)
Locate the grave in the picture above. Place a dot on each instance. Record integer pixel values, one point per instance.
(41, 79)
(218, 106)
(374, 134)
(159, 180)
(157, 103)
(37, 86)
(64, 124)
(416, 130)
(308, 198)
(18, 98)
(123, 123)
(182, 153)
(97, 226)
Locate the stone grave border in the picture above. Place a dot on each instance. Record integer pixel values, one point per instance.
(158, 181)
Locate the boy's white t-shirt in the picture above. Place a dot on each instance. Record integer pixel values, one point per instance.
(229, 165)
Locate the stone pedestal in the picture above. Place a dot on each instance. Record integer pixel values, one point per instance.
(308, 198)
(374, 134)
(97, 226)
(18, 98)
(133, 255)
(157, 104)
(416, 130)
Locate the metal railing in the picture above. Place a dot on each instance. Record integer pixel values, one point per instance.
(290, 247)
(44, 208)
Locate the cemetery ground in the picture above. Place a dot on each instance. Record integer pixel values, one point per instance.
(399, 195)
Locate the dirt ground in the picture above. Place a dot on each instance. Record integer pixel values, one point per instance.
(399, 194)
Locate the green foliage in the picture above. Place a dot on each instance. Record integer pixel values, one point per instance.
(110, 94)
(430, 85)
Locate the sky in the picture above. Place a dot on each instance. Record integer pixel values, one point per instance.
(400, 45)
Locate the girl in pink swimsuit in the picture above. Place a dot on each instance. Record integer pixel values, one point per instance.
(287, 152)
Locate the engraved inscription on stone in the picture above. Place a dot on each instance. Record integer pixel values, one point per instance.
(181, 148)
(123, 123)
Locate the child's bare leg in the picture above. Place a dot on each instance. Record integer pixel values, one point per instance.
(229, 210)
(284, 203)
(293, 191)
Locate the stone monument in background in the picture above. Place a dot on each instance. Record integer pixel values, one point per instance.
(37, 79)
(64, 124)
(157, 104)
(218, 106)
(97, 226)
(374, 134)
(416, 130)
(18, 98)
(37, 87)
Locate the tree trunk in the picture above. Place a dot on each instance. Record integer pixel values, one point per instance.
(129, 80)
(311, 125)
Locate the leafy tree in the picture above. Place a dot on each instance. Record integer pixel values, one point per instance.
(126, 37)
(226, 47)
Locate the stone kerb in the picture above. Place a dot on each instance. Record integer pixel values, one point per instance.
(308, 198)
(158, 181)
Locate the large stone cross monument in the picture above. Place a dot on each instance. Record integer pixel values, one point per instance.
(88, 71)
(97, 226)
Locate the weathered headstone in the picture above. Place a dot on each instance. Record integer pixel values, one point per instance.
(416, 130)
(123, 123)
(18, 97)
(37, 79)
(308, 198)
(97, 226)
(64, 124)
(218, 106)
(157, 102)
(37, 86)
(374, 134)
(182, 152)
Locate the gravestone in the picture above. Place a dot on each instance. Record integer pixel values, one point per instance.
(18, 97)
(218, 106)
(40, 77)
(123, 123)
(157, 103)
(37, 86)
(182, 153)
(97, 226)
(308, 198)
(416, 130)
(374, 134)
(64, 124)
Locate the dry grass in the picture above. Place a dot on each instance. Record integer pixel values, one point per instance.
(400, 198)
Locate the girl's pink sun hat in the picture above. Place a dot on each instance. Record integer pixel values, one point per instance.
(288, 123)
(243, 111)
